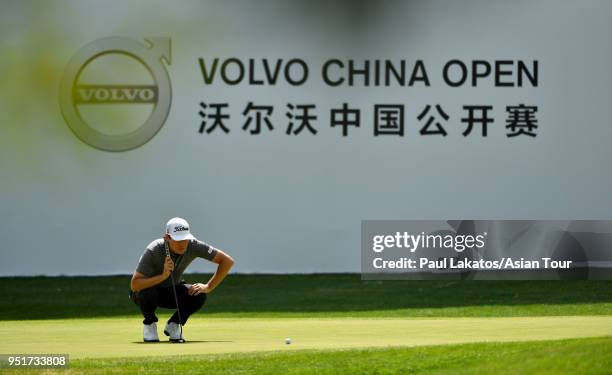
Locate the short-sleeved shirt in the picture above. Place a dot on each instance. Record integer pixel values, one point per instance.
(151, 262)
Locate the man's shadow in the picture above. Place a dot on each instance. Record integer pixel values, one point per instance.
(176, 343)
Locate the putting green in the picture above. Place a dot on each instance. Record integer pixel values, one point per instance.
(121, 337)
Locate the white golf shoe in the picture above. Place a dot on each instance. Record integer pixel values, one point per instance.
(174, 331)
(150, 333)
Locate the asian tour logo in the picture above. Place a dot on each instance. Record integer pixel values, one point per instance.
(89, 101)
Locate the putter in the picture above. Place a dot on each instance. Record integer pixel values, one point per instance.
(178, 311)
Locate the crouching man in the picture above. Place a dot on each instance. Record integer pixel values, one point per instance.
(162, 263)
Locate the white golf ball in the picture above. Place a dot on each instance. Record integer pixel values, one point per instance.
(287, 341)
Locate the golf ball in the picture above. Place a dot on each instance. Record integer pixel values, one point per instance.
(287, 341)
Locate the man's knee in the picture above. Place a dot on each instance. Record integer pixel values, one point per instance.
(196, 301)
(146, 296)
(199, 300)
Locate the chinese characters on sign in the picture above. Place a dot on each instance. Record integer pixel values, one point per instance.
(389, 119)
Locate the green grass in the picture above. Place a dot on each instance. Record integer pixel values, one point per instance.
(122, 337)
(338, 323)
(582, 356)
(313, 295)
(575, 356)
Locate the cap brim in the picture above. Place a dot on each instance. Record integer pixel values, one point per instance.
(182, 236)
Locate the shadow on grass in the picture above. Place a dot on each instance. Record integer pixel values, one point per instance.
(107, 296)
(180, 343)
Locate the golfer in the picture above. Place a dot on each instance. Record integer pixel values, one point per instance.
(151, 284)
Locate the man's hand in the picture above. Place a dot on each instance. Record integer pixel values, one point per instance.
(198, 288)
(168, 267)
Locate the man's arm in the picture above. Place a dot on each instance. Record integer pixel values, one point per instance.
(140, 281)
(225, 263)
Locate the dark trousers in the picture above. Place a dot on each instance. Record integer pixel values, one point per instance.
(151, 298)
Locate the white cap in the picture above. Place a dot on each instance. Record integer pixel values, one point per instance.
(178, 229)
